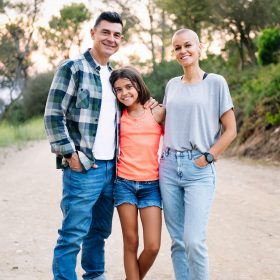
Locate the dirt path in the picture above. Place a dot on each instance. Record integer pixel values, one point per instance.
(244, 230)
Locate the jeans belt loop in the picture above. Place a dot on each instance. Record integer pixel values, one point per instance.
(167, 151)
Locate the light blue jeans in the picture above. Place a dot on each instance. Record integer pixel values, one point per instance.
(87, 207)
(187, 193)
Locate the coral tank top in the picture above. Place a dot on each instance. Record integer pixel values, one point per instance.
(139, 144)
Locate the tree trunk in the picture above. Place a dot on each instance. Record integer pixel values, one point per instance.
(247, 42)
(163, 34)
(151, 10)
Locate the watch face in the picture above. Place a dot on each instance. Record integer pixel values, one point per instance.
(209, 158)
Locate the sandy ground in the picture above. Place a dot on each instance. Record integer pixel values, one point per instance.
(244, 229)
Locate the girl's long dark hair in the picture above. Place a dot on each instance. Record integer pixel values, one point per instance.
(135, 78)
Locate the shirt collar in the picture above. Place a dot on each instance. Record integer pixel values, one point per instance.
(93, 63)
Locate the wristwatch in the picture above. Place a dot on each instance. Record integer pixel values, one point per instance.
(209, 157)
(68, 156)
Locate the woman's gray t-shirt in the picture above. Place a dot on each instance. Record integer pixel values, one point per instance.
(193, 112)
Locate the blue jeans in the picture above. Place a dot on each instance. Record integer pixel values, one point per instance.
(187, 192)
(87, 207)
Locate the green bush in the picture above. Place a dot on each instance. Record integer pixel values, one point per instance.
(157, 80)
(35, 95)
(33, 100)
(256, 93)
(15, 113)
(269, 46)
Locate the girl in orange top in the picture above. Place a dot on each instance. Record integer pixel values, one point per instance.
(137, 185)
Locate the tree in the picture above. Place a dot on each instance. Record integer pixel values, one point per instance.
(269, 46)
(64, 31)
(35, 95)
(152, 33)
(244, 19)
(190, 14)
(16, 45)
(33, 99)
(165, 71)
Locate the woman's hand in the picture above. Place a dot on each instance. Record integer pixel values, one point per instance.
(201, 161)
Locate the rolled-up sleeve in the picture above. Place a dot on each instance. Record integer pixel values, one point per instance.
(60, 94)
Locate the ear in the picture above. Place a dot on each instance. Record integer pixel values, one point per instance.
(92, 32)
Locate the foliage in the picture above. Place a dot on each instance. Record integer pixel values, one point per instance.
(187, 13)
(165, 71)
(14, 114)
(16, 45)
(65, 31)
(12, 134)
(242, 20)
(256, 93)
(269, 46)
(32, 103)
(152, 27)
(35, 95)
(2, 106)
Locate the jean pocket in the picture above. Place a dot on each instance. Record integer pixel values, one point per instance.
(82, 98)
(199, 167)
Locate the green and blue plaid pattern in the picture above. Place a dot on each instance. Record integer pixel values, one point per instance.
(73, 108)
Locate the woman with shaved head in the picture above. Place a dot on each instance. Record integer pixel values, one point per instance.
(199, 126)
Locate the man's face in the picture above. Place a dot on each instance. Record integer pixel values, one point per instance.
(107, 37)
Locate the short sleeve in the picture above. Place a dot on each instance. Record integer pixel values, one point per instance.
(225, 100)
(165, 94)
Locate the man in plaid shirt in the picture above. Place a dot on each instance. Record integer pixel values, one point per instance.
(81, 121)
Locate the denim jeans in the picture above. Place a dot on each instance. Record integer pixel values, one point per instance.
(187, 192)
(87, 207)
(139, 193)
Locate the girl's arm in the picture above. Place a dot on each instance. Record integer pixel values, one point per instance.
(159, 114)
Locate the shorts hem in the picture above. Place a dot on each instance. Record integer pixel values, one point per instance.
(150, 204)
(116, 204)
(142, 205)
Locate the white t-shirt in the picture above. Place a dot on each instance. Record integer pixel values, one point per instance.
(104, 144)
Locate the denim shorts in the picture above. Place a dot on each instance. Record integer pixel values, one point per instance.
(139, 193)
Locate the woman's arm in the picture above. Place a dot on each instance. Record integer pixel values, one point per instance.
(229, 134)
(229, 125)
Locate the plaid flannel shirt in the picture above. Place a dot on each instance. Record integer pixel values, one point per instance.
(73, 108)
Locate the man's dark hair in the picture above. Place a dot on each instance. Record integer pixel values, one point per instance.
(109, 16)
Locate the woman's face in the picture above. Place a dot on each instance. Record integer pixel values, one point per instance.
(186, 48)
